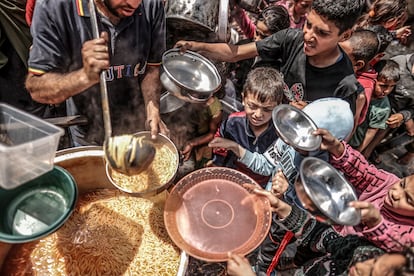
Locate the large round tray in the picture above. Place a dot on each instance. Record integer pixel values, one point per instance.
(209, 213)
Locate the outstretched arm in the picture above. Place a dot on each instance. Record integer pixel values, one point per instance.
(220, 51)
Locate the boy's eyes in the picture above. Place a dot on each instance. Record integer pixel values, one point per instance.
(255, 107)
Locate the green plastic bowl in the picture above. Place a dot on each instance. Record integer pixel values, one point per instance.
(38, 207)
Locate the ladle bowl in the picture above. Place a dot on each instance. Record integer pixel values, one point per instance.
(129, 154)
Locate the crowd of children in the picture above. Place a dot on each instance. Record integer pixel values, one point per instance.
(327, 58)
(338, 55)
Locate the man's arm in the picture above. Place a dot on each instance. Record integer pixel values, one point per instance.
(54, 88)
(151, 91)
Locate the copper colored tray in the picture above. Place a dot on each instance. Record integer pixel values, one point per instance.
(209, 213)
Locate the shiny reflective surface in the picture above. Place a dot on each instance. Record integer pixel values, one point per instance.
(326, 193)
(295, 127)
(190, 75)
(155, 188)
(209, 214)
(129, 154)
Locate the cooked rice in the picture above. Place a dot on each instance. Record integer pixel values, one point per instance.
(109, 233)
(161, 170)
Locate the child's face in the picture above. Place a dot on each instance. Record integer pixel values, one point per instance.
(302, 7)
(383, 88)
(321, 36)
(258, 113)
(400, 197)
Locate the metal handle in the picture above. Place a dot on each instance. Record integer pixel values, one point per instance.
(102, 81)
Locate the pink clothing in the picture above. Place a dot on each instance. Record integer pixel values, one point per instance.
(367, 80)
(245, 23)
(289, 7)
(372, 185)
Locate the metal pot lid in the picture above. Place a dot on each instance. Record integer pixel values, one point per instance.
(191, 71)
(209, 213)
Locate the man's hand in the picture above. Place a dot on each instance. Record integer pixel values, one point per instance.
(95, 57)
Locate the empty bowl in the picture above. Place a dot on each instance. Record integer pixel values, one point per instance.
(325, 193)
(37, 208)
(295, 128)
(189, 75)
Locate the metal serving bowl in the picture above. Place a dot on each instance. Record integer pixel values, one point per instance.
(295, 127)
(189, 76)
(326, 193)
(154, 188)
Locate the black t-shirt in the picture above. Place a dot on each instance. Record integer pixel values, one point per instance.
(337, 80)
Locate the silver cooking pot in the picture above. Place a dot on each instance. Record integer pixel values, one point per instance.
(189, 76)
(87, 166)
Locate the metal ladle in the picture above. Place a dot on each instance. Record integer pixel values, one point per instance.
(127, 154)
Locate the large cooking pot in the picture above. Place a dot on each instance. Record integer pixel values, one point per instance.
(87, 166)
(198, 17)
(189, 76)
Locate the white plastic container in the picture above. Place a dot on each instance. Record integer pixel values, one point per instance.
(28, 146)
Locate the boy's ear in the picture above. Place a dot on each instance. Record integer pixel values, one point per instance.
(359, 64)
(345, 35)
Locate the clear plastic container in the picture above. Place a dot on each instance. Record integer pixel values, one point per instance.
(28, 146)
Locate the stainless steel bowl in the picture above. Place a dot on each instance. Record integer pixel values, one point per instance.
(326, 193)
(153, 188)
(295, 127)
(189, 76)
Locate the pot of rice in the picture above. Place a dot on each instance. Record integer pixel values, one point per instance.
(109, 233)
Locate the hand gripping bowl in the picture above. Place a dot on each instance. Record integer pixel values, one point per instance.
(326, 193)
(157, 177)
(189, 76)
(295, 127)
(37, 208)
(209, 213)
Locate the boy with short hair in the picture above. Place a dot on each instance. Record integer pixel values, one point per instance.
(252, 128)
(313, 64)
(379, 108)
(361, 48)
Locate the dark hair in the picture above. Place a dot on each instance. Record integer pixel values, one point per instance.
(364, 45)
(343, 13)
(387, 69)
(351, 249)
(276, 18)
(265, 83)
(384, 36)
(381, 11)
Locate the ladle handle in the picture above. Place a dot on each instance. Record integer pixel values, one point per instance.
(102, 80)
